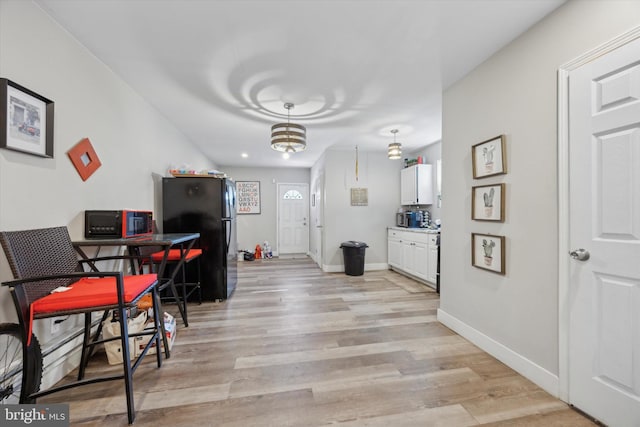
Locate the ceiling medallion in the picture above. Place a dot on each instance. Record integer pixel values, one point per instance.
(288, 137)
(395, 148)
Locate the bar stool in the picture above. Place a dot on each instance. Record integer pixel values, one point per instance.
(187, 288)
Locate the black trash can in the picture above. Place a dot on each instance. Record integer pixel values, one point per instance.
(353, 253)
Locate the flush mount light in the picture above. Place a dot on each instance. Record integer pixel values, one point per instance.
(288, 137)
(395, 148)
(244, 155)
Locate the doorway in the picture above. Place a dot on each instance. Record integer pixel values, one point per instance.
(293, 219)
(599, 298)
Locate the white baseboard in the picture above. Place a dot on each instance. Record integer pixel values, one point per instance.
(525, 367)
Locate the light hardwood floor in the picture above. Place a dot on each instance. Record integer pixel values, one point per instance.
(298, 347)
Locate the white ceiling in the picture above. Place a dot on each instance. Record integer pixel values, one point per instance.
(221, 70)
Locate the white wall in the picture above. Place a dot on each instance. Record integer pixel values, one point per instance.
(515, 93)
(133, 141)
(256, 228)
(342, 221)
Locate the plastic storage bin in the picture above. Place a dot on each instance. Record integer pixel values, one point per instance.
(353, 253)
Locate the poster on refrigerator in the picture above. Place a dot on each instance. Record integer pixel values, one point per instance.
(248, 194)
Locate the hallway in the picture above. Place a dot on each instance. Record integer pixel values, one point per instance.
(298, 347)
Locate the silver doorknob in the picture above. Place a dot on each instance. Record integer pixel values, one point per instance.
(580, 254)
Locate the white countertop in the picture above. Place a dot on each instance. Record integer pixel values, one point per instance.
(415, 230)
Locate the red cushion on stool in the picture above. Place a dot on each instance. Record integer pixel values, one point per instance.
(93, 292)
(174, 255)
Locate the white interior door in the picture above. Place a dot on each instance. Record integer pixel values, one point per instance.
(604, 204)
(293, 218)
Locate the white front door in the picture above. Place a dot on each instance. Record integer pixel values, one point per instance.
(293, 218)
(604, 204)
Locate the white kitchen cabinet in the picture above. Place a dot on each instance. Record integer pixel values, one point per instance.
(409, 253)
(432, 258)
(395, 250)
(416, 185)
(415, 259)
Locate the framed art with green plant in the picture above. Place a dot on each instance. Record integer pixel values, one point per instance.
(489, 157)
(488, 252)
(487, 202)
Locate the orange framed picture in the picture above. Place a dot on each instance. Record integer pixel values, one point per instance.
(84, 158)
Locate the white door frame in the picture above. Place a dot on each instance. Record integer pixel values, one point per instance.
(278, 212)
(317, 212)
(563, 200)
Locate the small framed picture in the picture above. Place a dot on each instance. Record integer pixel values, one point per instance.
(487, 202)
(84, 158)
(487, 252)
(359, 197)
(26, 120)
(489, 158)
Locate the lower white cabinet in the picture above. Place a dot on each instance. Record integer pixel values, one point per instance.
(411, 253)
(395, 252)
(432, 258)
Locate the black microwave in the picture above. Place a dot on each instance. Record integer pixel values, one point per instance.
(117, 224)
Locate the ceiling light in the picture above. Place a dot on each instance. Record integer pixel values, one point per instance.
(288, 137)
(285, 155)
(244, 155)
(395, 148)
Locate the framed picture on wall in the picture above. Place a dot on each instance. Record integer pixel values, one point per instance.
(487, 202)
(248, 195)
(26, 120)
(487, 252)
(489, 158)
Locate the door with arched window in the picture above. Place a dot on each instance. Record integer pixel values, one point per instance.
(293, 218)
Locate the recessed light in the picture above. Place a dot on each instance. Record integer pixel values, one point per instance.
(244, 155)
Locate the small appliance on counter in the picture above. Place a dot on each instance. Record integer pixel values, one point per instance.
(117, 224)
(413, 219)
(401, 219)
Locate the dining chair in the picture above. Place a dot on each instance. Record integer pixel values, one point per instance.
(50, 282)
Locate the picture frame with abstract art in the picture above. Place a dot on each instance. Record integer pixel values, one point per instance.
(26, 120)
(488, 252)
(487, 202)
(489, 158)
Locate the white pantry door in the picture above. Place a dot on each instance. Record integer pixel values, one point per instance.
(604, 203)
(293, 218)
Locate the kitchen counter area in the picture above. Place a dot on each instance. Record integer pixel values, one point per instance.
(415, 230)
(414, 253)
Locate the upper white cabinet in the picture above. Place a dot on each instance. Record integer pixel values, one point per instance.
(416, 186)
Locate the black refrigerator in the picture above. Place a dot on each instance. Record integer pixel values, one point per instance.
(207, 206)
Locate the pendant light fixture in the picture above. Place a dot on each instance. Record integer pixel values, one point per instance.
(395, 148)
(288, 137)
